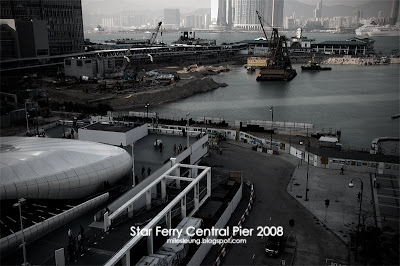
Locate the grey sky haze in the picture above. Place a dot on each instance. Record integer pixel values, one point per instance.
(109, 6)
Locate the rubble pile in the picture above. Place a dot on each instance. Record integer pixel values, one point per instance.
(357, 61)
(203, 69)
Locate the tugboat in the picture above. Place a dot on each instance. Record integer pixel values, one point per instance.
(314, 66)
(279, 66)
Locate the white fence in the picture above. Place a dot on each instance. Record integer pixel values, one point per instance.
(201, 253)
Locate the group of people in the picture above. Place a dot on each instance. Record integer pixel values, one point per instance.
(180, 148)
(144, 171)
(76, 244)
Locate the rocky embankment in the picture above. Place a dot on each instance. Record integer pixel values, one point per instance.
(205, 70)
(360, 61)
(181, 89)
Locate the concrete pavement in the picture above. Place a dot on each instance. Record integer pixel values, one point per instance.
(342, 212)
(275, 207)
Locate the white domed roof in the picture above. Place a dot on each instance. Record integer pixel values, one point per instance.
(50, 168)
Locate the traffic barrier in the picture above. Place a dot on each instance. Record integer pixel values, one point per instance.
(224, 248)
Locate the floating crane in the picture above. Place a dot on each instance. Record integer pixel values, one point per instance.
(153, 36)
(279, 66)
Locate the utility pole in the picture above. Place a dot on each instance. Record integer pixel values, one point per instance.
(133, 166)
(18, 204)
(26, 117)
(187, 133)
(272, 126)
(308, 164)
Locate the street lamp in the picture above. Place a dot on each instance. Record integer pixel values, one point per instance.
(272, 126)
(26, 116)
(18, 204)
(308, 165)
(37, 120)
(133, 166)
(187, 126)
(147, 108)
(62, 110)
(351, 185)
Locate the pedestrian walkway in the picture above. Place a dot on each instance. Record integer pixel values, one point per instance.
(341, 214)
(387, 197)
(233, 221)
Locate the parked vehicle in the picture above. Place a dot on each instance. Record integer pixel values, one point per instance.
(274, 245)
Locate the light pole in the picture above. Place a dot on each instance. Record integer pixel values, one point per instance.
(62, 110)
(26, 116)
(133, 166)
(308, 165)
(36, 118)
(187, 126)
(18, 204)
(351, 185)
(272, 126)
(147, 109)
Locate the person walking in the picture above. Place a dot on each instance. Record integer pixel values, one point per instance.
(83, 238)
(73, 248)
(148, 171)
(70, 238)
(79, 238)
(341, 171)
(143, 170)
(174, 148)
(71, 256)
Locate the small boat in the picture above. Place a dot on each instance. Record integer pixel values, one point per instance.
(250, 69)
(314, 66)
(395, 116)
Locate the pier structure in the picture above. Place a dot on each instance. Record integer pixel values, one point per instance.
(158, 54)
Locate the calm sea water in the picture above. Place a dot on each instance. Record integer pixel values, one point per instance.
(359, 100)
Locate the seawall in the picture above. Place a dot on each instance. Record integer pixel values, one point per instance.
(181, 89)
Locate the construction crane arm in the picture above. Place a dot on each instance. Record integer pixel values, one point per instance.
(262, 25)
(153, 36)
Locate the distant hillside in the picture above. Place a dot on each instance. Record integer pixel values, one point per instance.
(369, 8)
(301, 9)
(200, 11)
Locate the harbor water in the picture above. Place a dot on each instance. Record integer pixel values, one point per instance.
(359, 100)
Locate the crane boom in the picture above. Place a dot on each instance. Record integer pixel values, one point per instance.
(262, 26)
(153, 36)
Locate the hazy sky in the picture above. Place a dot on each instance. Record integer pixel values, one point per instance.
(108, 6)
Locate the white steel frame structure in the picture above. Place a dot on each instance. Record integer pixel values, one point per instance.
(173, 173)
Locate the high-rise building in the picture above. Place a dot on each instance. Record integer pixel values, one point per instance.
(207, 20)
(172, 17)
(394, 15)
(221, 18)
(380, 14)
(63, 18)
(245, 15)
(318, 11)
(357, 14)
(288, 23)
(229, 13)
(273, 12)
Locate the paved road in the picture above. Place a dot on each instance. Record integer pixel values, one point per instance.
(274, 206)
